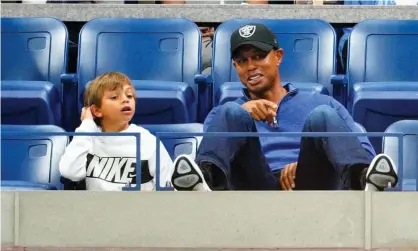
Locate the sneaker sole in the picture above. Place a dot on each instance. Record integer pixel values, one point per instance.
(187, 175)
(382, 173)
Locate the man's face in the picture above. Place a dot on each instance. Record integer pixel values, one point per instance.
(257, 69)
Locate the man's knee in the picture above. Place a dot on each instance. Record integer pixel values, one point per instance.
(234, 113)
(320, 116)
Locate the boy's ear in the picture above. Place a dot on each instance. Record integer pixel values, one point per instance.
(95, 111)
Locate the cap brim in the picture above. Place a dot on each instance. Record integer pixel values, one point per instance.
(259, 45)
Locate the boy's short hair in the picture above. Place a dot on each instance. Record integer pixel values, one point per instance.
(109, 81)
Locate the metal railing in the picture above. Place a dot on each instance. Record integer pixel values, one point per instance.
(163, 135)
(168, 135)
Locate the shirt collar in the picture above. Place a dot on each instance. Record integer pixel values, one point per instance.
(289, 88)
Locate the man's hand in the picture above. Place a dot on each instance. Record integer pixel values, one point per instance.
(86, 113)
(287, 177)
(261, 109)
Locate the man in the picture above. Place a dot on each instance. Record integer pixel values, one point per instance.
(287, 163)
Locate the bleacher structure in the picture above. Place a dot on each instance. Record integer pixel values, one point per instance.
(163, 59)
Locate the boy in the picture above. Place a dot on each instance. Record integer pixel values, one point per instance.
(108, 162)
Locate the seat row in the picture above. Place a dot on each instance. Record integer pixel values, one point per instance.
(163, 58)
(30, 157)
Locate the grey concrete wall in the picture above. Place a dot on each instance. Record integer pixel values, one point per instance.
(8, 218)
(210, 220)
(211, 12)
(395, 220)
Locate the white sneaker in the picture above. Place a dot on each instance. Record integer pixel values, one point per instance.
(187, 175)
(382, 173)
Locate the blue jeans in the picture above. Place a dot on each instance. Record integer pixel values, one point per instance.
(324, 163)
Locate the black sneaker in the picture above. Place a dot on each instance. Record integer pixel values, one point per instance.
(188, 176)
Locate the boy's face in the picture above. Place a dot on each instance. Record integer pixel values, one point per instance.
(117, 106)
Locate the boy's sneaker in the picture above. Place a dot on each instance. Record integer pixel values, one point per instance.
(382, 173)
(188, 175)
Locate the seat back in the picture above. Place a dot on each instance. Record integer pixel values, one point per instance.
(33, 49)
(382, 51)
(33, 56)
(30, 160)
(30, 103)
(164, 50)
(309, 51)
(179, 144)
(410, 149)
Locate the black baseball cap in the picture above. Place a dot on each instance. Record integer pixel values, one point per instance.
(257, 35)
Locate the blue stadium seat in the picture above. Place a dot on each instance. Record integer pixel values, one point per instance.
(382, 74)
(33, 55)
(17, 185)
(230, 91)
(179, 144)
(30, 161)
(410, 151)
(309, 53)
(161, 56)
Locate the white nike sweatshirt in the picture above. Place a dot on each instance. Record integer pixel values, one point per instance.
(108, 162)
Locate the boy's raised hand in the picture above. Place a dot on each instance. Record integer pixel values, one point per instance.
(86, 113)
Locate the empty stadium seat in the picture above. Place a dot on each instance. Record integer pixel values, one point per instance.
(33, 56)
(29, 161)
(410, 150)
(382, 74)
(161, 56)
(309, 54)
(230, 91)
(177, 145)
(17, 185)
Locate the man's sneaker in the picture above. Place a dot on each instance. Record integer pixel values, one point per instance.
(187, 175)
(382, 173)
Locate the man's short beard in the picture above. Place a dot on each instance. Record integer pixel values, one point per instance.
(260, 93)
